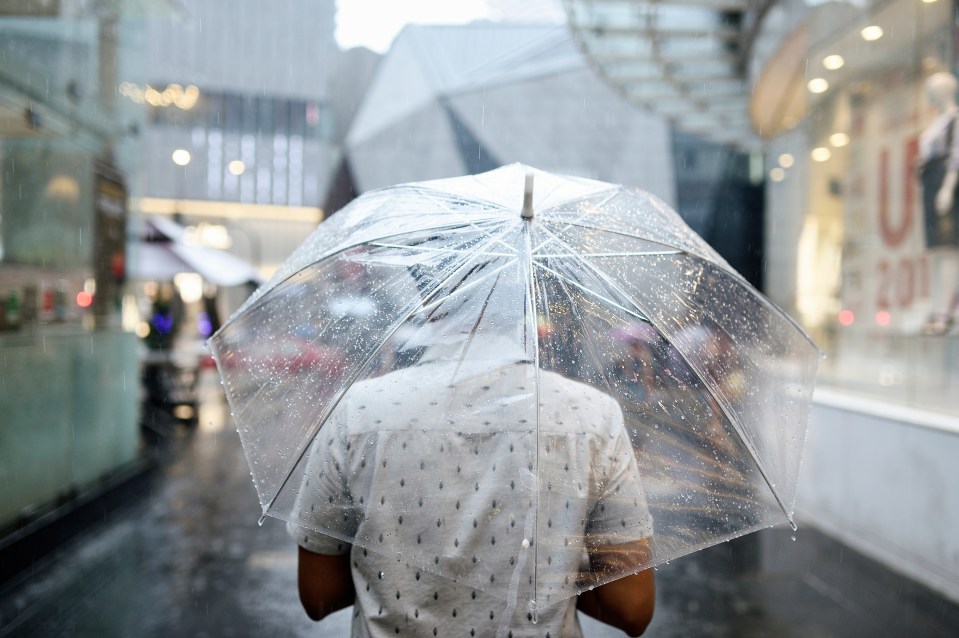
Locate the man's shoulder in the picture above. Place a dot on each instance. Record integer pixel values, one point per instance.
(574, 389)
(408, 391)
(592, 409)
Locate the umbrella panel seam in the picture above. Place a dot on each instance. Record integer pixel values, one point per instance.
(645, 238)
(592, 293)
(714, 393)
(728, 413)
(339, 249)
(359, 370)
(532, 327)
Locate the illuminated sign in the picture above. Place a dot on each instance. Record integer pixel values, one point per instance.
(172, 95)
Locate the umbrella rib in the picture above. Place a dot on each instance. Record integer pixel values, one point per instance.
(424, 249)
(531, 309)
(742, 283)
(727, 411)
(474, 224)
(359, 369)
(256, 298)
(601, 275)
(592, 293)
(460, 289)
(590, 340)
(659, 242)
(611, 193)
(432, 194)
(581, 213)
(710, 386)
(645, 253)
(380, 285)
(475, 328)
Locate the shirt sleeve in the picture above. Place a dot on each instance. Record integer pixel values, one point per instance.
(322, 519)
(621, 514)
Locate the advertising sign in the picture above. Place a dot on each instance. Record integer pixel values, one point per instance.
(109, 254)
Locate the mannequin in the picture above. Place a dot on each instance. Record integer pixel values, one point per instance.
(939, 154)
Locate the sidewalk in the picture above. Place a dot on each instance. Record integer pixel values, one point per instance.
(186, 558)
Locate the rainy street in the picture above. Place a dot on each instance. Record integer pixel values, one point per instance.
(185, 557)
(497, 303)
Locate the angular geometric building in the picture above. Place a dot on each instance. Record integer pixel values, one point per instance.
(451, 100)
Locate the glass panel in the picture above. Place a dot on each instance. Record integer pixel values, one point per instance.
(876, 284)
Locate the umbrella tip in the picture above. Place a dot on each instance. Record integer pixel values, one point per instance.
(527, 212)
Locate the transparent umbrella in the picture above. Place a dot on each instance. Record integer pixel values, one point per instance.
(531, 391)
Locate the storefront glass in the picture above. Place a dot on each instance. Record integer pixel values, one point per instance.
(68, 377)
(846, 199)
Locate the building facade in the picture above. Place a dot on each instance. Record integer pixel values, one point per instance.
(854, 258)
(69, 374)
(454, 100)
(109, 113)
(833, 100)
(238, 129)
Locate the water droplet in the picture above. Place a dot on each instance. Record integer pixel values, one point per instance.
(793, 537)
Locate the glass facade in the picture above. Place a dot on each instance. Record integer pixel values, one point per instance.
(118, 118)
(68, 378)
(237, 113)
(837, 107)
(850, 252)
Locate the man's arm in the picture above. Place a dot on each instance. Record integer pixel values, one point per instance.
(626, 603)
(325, 583)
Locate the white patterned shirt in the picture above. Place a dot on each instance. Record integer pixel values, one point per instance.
(433, 468)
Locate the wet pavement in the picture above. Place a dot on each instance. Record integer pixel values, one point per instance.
(186, 558)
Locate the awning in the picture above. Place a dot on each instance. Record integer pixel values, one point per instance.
(165, 250)
(682, 59)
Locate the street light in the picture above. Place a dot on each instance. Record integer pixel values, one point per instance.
(818, 85)
(871, 33)
(821, 154)
(833, 62)
(181, 157)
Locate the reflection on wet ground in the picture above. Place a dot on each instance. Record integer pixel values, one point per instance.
(188, 559)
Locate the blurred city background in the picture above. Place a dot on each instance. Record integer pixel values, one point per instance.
(160, 158)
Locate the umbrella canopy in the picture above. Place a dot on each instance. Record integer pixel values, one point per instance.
(531, 398)
(166, 251)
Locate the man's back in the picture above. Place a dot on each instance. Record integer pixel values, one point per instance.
(453, 470)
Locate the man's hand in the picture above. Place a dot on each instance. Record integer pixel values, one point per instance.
(626, 603)
(325, 583)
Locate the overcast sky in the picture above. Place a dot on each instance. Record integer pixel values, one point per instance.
(374, 23)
